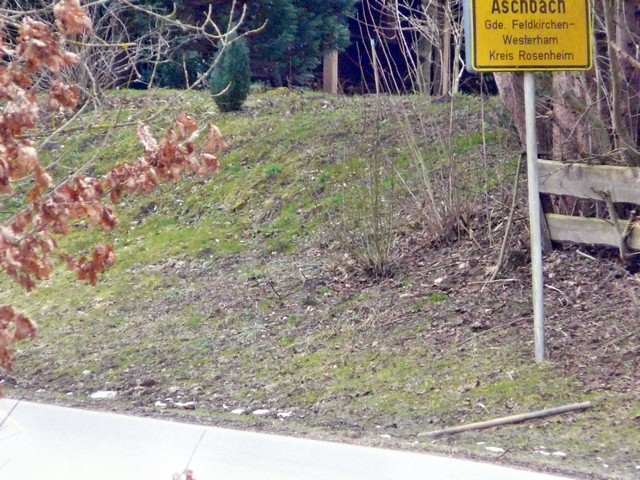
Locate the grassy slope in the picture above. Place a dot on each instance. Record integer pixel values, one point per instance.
(232, 292)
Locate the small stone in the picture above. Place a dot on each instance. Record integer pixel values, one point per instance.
(559, 454)
(495, 449)
(160, 404)
(443, 283)
(284, 414)
(261, 411)
(104, 394)
(238, 411)
(185, 405)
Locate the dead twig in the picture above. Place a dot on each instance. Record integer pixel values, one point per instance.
(618, 340)
(499, 280)
(272, 285)
(6, 417)
(508, 420)
(551, 287)
(585, 255)
(623, 233)
(507, 232)
(489, 330)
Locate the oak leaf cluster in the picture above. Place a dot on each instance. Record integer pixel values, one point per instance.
(28, 242)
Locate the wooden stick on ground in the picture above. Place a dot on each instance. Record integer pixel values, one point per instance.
(507, 420)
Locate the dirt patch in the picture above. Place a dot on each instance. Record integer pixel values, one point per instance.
(289, 336)
(330, 353)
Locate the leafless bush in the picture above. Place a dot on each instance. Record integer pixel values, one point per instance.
(435, 183)
(111, 55)
(418, 44)
(364, 221)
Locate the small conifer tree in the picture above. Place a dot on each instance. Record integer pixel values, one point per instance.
(233, 71)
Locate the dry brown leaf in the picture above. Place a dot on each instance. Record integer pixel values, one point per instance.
(71, 19)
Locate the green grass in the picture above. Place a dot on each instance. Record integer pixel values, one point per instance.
(208, 290)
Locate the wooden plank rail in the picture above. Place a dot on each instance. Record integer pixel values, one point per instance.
(586, 181)
(622, 184)
(592, 231)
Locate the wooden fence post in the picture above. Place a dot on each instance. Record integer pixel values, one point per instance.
(330, 73)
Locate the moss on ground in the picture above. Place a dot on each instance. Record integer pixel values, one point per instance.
(234, 291)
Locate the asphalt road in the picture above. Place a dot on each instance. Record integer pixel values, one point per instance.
(46, 442)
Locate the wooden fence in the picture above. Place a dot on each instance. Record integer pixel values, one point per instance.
(597, 182)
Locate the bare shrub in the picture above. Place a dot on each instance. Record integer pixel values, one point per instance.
(363, 219)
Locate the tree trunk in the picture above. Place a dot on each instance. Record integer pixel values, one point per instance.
(437, 53)
(571, 127)
(511, 89)
(424, 65)
(426, 48)
(613, 13)
(595, 113)
(445, 70)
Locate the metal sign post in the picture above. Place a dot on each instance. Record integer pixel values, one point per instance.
(530, 36)
(537, 278)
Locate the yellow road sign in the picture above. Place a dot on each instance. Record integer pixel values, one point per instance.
(528, 35)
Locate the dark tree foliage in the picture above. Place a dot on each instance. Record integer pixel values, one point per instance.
(270, 46)
(231, 79)
(291, 45)
(296, 34)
